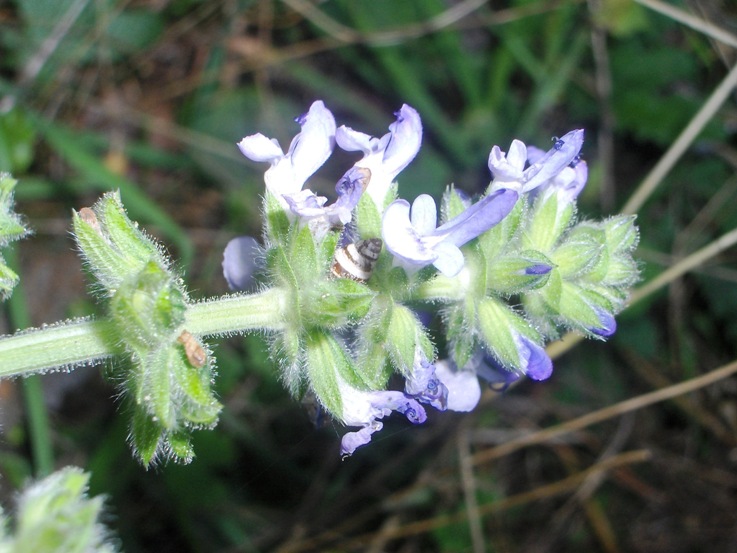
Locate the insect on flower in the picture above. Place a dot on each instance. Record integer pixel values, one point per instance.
(356, 261)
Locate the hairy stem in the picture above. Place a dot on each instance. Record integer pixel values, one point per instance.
(73, 343)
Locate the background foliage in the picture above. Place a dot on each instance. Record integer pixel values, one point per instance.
(150, 97)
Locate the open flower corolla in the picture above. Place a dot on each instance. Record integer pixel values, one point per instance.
(387, 156)
(415, 242)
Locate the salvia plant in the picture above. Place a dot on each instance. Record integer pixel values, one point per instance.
(347, 292)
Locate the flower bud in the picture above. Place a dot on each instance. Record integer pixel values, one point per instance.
(516, 273)
(170, 373)
(512, 340)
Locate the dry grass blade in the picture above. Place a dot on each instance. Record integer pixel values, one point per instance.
(606, 413)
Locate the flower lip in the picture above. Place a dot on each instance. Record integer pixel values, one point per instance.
(463, 387)
(508, 169)
(415, 243)
(563, 152)
(365, 410)
(310, 207)
(425, 386)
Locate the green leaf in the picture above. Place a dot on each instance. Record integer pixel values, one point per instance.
(180, 444)
(452, 204)
(303, 256)
(277, 222)
(402, 338)
(158, 389)
(54, 515)
(326, 363)
(17, 137)
(546, 222)
(338, 302)
(582, 251)
(621, 233)
(499, 325)
(502, 236)
(460, 323)
(372, 355)
(147, 308)
(123, 233)
(146, 436)
(368, 218)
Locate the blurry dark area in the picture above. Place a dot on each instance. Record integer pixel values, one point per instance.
(150, 97)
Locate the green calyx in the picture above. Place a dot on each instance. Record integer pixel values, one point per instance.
(169, 371)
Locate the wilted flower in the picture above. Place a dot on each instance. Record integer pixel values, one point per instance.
(366, 408)
(424, 385)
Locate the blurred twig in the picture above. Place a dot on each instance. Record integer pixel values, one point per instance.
(684, 140)
(342, 33)
(563, 486)
(606, 413)
(696, 23)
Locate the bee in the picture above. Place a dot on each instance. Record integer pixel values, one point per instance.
(356, 261)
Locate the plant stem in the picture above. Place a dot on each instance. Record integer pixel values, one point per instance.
(72, 343)
(35, 407)
(64, 345)
(238, 313)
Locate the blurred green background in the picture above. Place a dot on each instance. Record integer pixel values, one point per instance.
(151, 96)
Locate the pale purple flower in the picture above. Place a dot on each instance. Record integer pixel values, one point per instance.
(508, 169)
(493, 373)
(387, 156)
(424, 385)
(463, 387)
(311, 208)
(607, 325)
(307, 152)
(241, 260)
(415, 242)
(366, 408)
(533, 359)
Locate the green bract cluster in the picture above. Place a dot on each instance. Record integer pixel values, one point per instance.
(11, 229)
(561, 274)
(55, 516)
(169, 376)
